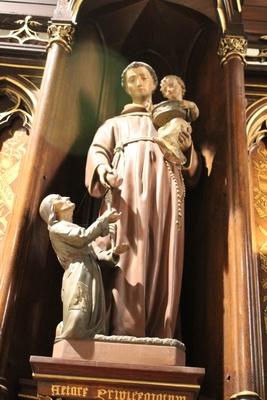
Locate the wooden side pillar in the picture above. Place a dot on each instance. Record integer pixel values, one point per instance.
(241, 364)
(32, 184)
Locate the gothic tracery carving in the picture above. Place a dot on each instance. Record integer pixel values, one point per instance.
(28, 33)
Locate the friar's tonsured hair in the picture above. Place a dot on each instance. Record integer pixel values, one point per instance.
(136, 64)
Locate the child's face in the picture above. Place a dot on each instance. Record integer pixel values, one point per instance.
(172, 89)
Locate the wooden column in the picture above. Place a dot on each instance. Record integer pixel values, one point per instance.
(33, 180)
(241, 363)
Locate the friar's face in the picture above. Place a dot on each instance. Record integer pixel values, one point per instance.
(139, 84)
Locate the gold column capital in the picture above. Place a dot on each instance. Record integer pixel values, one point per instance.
(232, 46)
(61, 33)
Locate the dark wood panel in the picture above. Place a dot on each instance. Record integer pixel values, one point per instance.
(254, 3)
(255, 14)
(43, 2)
(16, 8)
(259, 28)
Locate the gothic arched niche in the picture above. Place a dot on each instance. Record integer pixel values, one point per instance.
(161, 32)
(257, 145)
(172, 36)
(184, 41)
(16, 113)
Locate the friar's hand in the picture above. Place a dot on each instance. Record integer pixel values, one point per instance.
(111, 215)
(185, 139)
(113, 179)
(108, 176)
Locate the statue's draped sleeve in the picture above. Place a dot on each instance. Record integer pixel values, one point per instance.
(192, 169)
(78, 236)
(100, 152)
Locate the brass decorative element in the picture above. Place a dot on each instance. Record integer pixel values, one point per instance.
(26, 34)
(61, 34)
(74, 7)
(226, 10)
(222, 13)
(23, 66)
(239, 5)
(70, 378)
(245, 394)
(232, 46)
(257, 56)
(263, 53)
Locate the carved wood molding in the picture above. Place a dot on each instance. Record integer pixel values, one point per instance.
(28, 33)
(232, 46)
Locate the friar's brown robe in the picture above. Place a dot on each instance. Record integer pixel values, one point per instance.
(146, 292)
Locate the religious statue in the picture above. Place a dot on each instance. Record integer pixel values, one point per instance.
(82, 294)
(125, 162)
(173, 88)
(173, 117)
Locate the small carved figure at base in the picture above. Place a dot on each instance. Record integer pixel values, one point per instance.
(84, 310)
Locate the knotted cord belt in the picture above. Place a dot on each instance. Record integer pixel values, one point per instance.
(180, 194)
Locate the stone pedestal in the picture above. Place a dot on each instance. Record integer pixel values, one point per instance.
(115, 371)
(136, 353)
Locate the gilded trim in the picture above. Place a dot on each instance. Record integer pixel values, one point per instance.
(221, 14)
(27, 78)
(257, 85)
(239, 5)
(232, 46)
(245, 393)
(61, 34)
(74, 6)
(256, 94)
(110, 380)
(21, 66)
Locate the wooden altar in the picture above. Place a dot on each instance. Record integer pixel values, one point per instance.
(58, 377)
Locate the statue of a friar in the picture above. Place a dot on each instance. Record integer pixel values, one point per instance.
(148, 191)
